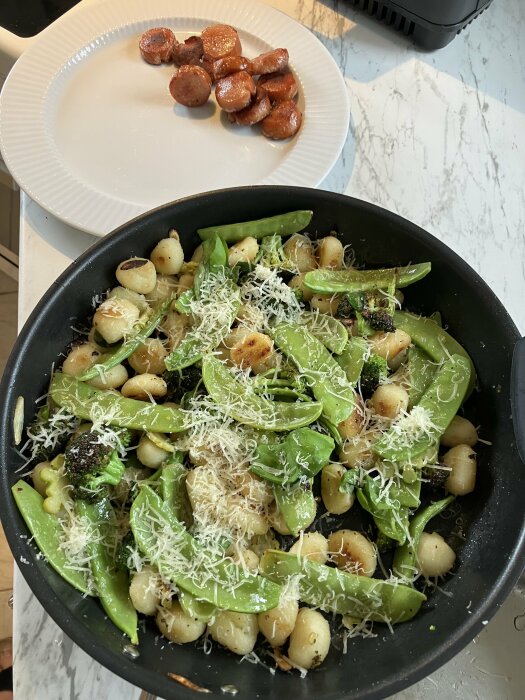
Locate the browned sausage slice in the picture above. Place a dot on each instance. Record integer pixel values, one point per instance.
(254, 113)
(235, 91)
(220, 40)
(230, 64)
(189, 52)
(156, 45)
(279, 86)
(190, 86)
(270, 62)
(283, 121)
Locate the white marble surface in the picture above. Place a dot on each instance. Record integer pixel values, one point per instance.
(438, 138)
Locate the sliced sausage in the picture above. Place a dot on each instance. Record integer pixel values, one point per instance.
(230, 64)
(279, 86)
(156, 45)
(283, 121)
(270, 62)
(190, 86)
(235, 91)
(220, 40)
(254, 113)
(189, 52)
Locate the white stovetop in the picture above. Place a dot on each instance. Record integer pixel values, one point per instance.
(438, 138)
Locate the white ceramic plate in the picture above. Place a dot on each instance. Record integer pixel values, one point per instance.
(89, 130)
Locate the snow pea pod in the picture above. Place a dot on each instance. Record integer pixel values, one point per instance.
(173, 491)
(421, 371)
(282, 224)
(430, 337)
(195, 608)
(340, 592)
(391, 519)
(352, 359)
(331, 332)
(110, 408)
(325, 377)
(47, 533)
(405, 557)
(296, 504)
(112, 583)
(439, 404)
(141, 333)
(196, 343)
(326, 281)
(237, 400)
(182, 560)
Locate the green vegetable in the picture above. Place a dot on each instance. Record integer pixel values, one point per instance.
(195, 608)
(92, 404)
(421, 371)
(440, 403)
(282, 225)
(336, 591)
(57, 485)
(219, 582)
(271, 254)
(352, 358)
(374, 372)
(297, 505)
(326, 281)
(140, 334)
(111, 582)
(391, 518)
(331, 332)
(431, 338)
(173, 490)
(47, 533)
(405, 557)
(351, 479)
(89, 463)
(302, 452)
(237, 401)
(325, 377)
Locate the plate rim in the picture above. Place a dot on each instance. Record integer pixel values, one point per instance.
(25, 137)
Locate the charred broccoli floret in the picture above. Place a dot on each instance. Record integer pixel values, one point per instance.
(345, 310)
(124, 549)
(379, 320)
(90, 462)
(375, 371)
(181, 382)
(271, 254)
(49, 432)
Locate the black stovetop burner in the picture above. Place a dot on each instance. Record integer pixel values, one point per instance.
(28, 17)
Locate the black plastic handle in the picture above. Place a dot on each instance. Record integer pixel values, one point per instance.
(517, 395)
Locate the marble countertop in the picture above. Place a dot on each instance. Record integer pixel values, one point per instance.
(438, 138)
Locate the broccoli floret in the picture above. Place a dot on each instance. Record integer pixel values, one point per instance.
(124, 549)
(271, 254)
(345, 309)
(379, 320)
(181, 382)
(375, 371)
(49, 432)
(90, 463)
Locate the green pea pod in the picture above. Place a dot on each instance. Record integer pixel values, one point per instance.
(352, 359)
(331, 332)
(173, 491)
(391, 519)
(236, 400)
(182, 560)
(112, 583)
(421, 371)
(405, 557)
(296, 504)
(183, 303)
(340, 592)
(140, 334)
(325, 377)
(439, 403)
(271, 254)
(47, 533)
(308, 449)
(430, 337)
(195, 608)
(193, 345)
(407, 495)
(326, 281)
(214, 260)
(282, 225)
(110, 408)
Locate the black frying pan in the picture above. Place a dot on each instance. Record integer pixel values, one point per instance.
(492, 555)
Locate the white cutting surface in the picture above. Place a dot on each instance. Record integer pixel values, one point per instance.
(438, 138)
